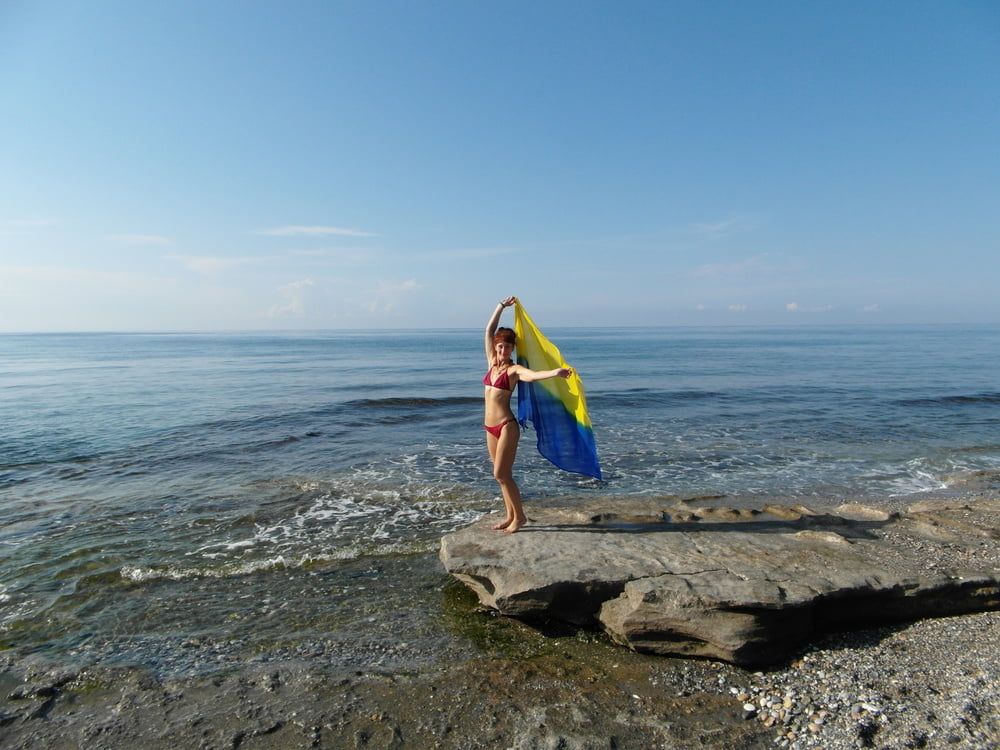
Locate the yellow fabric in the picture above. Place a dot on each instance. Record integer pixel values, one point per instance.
(538, 353)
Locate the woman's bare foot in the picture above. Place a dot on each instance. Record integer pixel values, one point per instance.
(515, 525)
(502, 525)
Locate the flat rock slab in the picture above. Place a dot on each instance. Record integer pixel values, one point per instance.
(748, 586)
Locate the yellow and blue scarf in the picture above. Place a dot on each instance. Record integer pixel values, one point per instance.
(556, 407)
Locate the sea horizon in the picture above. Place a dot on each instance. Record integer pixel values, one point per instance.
(397, 329)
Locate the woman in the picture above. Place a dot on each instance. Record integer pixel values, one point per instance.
(502, 430)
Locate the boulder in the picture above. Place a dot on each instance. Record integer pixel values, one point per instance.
(742, 585)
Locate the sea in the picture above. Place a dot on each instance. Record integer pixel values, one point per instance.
(191, 502)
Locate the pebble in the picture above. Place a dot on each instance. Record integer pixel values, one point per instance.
(862, 689)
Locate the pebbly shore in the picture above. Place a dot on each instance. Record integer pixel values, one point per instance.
(931, 684)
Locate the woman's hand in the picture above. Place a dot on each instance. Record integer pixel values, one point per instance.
(564, 372)
(508, 301)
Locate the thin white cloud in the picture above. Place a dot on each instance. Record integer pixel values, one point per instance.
(700, 307)
(140, 240)
(738, 308)
(297, 230)
(469, 253)
(716, 230)
(389, 293)
(739, 267)
(293, 303)
(871, 308)
(795, 307)
(211, 264)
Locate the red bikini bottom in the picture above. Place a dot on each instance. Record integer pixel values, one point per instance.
(496, 429)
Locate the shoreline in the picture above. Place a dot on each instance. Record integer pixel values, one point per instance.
(928, 683)
(933, 683)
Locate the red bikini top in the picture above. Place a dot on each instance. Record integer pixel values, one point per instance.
(502, 382)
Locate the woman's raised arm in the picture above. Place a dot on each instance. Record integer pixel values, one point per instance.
(491, 327)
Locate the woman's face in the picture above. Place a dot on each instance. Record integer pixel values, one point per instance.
(503, 350)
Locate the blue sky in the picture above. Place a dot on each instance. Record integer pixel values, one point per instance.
(254, 165)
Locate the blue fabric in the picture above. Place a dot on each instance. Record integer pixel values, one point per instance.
(560, 438)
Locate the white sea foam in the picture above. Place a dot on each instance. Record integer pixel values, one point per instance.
(913, 477)
(334, 525)
(138, 574)
(15, 608)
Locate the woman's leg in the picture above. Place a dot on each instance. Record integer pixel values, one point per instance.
(491, 445)
(503, 465)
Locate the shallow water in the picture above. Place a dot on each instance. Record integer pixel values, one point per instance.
(259, 494)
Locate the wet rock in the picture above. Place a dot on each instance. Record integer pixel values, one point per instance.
(44, 685)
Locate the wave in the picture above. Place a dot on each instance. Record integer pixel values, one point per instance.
(370, 523)
(139, 574)
(986, 449)
(661, 397)
(200, 438)
(955, 400)
(408, 401)
(975, 479)
(649, 396)
(28, 456)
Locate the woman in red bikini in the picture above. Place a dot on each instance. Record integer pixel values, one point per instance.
(502, 430)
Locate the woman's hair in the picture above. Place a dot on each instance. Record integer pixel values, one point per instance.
(504, 334)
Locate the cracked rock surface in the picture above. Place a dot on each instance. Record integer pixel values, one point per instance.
(748, 586)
